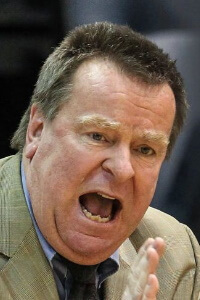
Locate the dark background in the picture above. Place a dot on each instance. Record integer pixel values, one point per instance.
(30, 29)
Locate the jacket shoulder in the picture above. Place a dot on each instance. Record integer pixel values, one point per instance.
(4, 160)
(157, 223)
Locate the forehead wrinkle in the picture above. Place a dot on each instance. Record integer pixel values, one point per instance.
(98, 121)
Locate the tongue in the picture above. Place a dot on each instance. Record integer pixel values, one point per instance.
(97, 205)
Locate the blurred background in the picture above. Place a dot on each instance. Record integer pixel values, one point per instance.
(30, 29)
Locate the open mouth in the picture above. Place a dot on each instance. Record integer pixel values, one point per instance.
(99, 207)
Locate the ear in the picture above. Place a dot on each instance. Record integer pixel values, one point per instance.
(34, 131)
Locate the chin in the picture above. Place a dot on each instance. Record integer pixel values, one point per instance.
(89, 252)
(88, 260)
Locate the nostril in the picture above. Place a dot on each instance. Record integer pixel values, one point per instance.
(120, 167)
(106, 165)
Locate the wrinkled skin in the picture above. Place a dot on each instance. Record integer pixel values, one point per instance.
(119, 153)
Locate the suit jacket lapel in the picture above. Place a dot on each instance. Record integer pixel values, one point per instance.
(115, 285)
(27, 274)
(14, 216)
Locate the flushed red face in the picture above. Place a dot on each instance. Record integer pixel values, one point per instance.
(92, 171)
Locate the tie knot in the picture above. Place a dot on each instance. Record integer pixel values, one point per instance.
(81, 273)
(84, 278)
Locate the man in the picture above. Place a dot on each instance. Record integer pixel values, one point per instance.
(106, 111)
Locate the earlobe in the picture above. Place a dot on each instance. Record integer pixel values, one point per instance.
(34, 131)
(30, 150)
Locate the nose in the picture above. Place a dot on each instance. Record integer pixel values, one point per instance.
(119, 164)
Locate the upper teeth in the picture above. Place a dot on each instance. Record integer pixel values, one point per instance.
(106, 196)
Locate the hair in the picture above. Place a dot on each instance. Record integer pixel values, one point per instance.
(133, 53)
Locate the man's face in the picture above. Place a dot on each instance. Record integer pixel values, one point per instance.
(92, 171)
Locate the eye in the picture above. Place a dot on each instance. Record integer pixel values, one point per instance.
(145, 150)
(97, 136)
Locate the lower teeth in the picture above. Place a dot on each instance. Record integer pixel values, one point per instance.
(96, 218)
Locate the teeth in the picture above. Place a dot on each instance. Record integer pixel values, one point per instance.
(96, 218)
(106, 196)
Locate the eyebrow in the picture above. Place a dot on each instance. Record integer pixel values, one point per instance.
(105, 123)
(98, 121)
(155, 136)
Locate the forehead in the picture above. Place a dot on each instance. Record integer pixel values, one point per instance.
(99, 77)
(100, 73)
(105, 76)
(99, 87)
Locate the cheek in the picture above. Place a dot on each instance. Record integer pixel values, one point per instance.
(149, 177)
(65, 173)
(143, 191)
(73, 167)
(149, 186)
(60, 159)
